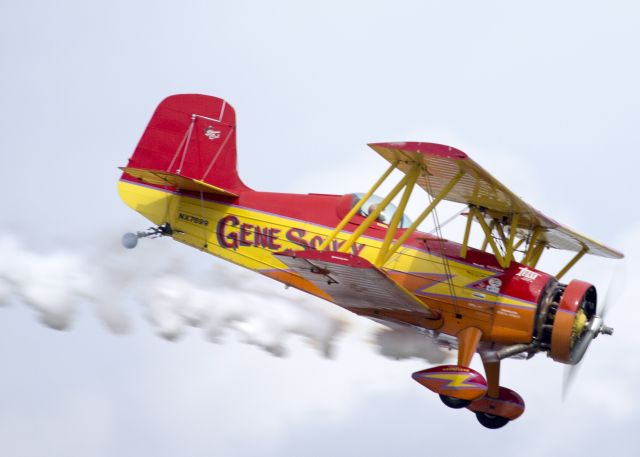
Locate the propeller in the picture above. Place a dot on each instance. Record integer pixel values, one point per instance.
(593, 328)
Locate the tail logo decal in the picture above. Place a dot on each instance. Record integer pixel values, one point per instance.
(212, 133)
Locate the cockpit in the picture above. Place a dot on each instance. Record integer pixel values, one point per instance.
(385, 216)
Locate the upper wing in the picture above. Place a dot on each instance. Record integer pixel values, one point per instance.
(477, 187)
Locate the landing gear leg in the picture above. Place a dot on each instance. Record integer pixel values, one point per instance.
(468, 340)
(500, 405)
(492, 371)
(458, 385)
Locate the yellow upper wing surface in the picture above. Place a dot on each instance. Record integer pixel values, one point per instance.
(477, 187)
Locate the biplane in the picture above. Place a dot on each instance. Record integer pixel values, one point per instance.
(362, 253)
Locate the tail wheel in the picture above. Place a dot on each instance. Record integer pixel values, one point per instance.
(491, 421)
(453, 402)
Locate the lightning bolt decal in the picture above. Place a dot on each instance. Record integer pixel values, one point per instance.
(456, 380)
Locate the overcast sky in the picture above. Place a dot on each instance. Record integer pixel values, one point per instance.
(542, 94)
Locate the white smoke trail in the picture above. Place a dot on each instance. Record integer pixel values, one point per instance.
(225, 301)
(52, 285)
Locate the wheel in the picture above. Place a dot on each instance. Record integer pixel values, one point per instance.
(491, 421)
(453, 402)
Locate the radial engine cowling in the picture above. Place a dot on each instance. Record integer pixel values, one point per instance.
(564, 317)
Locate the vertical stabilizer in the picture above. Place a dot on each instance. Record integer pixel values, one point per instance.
(190, 144)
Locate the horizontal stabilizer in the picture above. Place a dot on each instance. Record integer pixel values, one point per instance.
(164, 178)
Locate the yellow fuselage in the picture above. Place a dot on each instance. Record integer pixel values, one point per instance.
(249, 237)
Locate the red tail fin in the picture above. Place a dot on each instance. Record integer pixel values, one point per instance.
(189, 143)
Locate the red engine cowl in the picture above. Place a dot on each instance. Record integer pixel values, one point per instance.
(563, 316)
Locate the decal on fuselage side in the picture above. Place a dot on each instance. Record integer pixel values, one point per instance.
(193, 219)
(494, 285)
(232, 233)
(527, 275)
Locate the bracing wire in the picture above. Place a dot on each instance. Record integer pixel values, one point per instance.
(449, 219)
(443, 256)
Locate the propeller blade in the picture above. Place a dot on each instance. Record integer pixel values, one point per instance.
(614, 291)
(580, 349)
(570, 373)
(595, 326)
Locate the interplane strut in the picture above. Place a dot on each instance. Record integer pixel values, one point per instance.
(503, 244)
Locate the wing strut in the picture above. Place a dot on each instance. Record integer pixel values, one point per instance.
(407, 183)
(397, 216)
(357, 207)
(467, 232)
(572, 262)
(485, 243)
(531, 254)
(408, 180)
(407, 233)
(509, 244)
